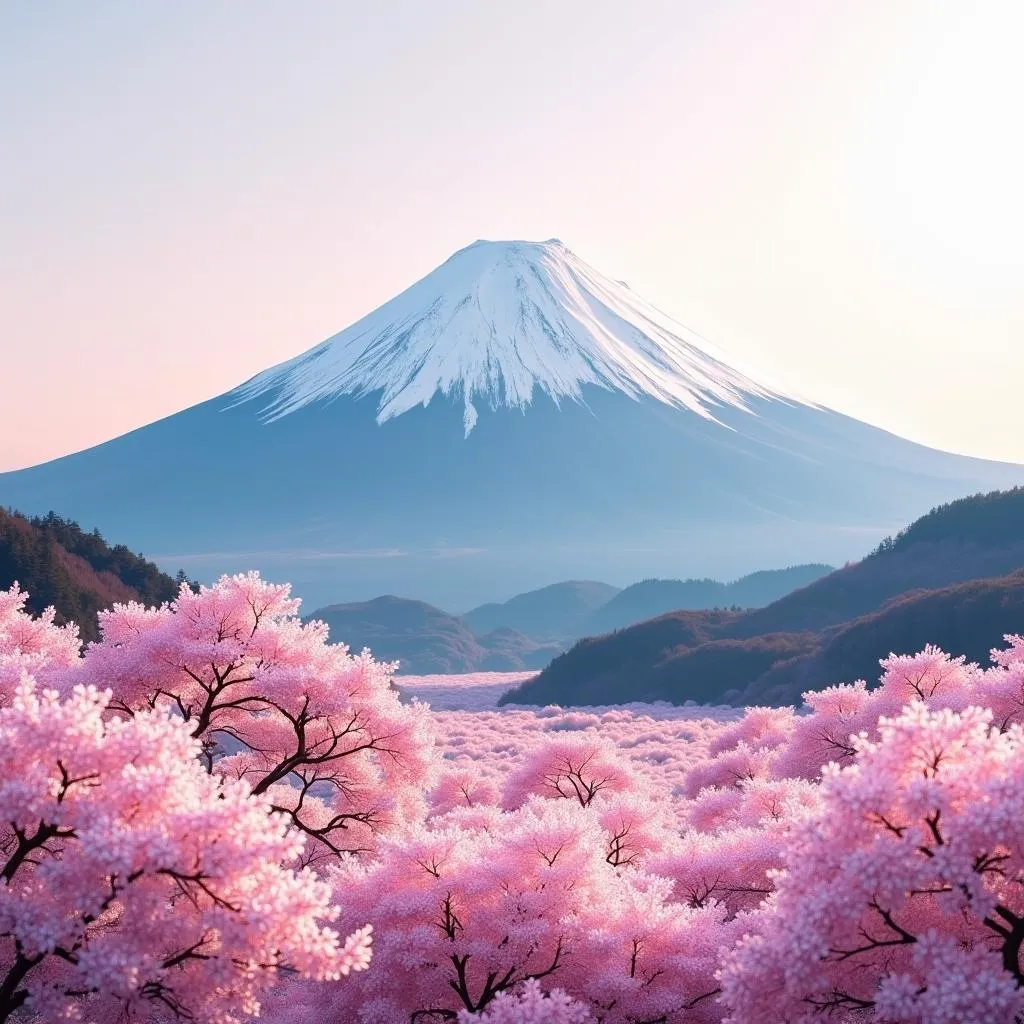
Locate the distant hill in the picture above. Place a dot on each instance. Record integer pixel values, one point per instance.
(649, 598)
(974, 538)
(595, 670)
(567, 611)
(993, 520)
(530, 629)
(427, 640)
(78, 573)
(964, 619)
(555, 612)
(905, 594)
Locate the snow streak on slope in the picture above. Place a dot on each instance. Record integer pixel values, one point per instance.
(496, 321)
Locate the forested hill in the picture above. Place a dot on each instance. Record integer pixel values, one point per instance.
(79, 573)
(982, 520)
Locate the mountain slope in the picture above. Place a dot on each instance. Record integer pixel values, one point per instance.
(912, 590)
(426, 640)
(599, 670)
(970, 538)
(604, 442)
(968, 619)
(554, 612)
(649, 598)
(78, 573)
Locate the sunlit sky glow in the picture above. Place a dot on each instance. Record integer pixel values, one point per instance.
(194, 191)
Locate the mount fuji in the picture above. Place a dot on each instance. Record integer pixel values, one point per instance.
(511, 419)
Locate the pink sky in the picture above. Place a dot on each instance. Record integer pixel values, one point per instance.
(192, 192)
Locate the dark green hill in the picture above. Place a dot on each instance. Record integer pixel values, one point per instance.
(78, 573)
(964, 619)
(987, 520)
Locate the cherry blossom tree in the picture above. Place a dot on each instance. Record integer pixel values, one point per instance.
(587, 770)
(843, 711)
(462, 787)
(730, 857)
(900, 898)
(463, 914)
(576, 767)
(760, 728)
(529, 1004)
(201, 804)
(635, 826)
(136, 886)
(317, 730)
(1001, 688)
(31, 644)
(647, 958)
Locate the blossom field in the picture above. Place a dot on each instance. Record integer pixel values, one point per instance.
(659, 742)
(214, 814)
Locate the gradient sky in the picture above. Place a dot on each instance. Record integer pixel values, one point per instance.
(192, 191)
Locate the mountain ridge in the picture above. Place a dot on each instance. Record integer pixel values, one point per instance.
(967, 619)
(650, 598)
(553, 612)
(525, 632)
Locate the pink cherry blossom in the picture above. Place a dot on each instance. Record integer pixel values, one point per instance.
(137, 886)
(529, 1004)
(578, 768)
(200, 805)
(463, 913)
(899, 899)
(30, 644)
(759, 729)
(318, 730)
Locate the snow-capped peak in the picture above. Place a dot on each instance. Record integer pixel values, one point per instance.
(496, 321)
